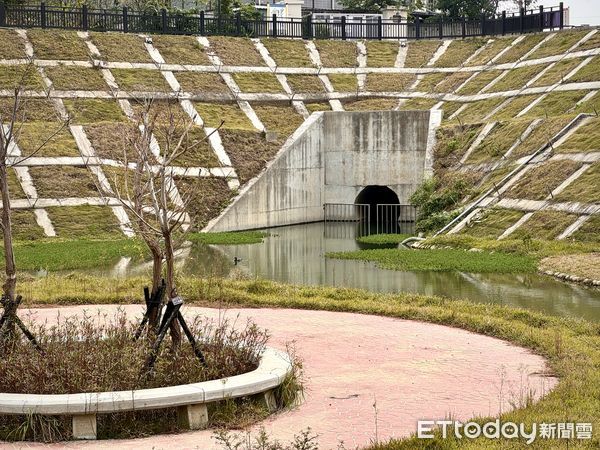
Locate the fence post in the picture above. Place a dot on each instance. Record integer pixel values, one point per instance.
(163, 20)
(274, 31)
(43, 15)
(343, 28)
(541, 18)
(503, 23)
(417, 27)
(561, 19)
(125, 20)
(464, 27)
(483, 24)
(441, 27)
(379, 28)
(521, 20)
(2, 14)
(84, 17)
(202, 23)
(238, 23)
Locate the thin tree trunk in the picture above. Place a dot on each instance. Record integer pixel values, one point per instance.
(156, 282)
(171, 290)
(10, 282)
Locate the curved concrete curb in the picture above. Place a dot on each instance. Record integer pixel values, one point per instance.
(191, 399)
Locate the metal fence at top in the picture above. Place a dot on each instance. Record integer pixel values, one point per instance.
(84, 18)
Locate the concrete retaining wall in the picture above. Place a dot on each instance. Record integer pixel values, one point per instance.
(330, 159)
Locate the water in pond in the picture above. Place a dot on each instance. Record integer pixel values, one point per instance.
(296, 254)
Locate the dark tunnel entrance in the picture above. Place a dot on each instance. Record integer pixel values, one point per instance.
(378, 195)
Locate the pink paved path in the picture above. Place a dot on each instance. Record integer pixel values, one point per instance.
(412, 370)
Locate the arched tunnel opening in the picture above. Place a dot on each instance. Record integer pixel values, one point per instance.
(378, 195)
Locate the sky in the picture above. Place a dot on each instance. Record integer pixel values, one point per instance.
(580, 11)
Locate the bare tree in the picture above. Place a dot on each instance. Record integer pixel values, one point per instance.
(12, 119)
(148, 191)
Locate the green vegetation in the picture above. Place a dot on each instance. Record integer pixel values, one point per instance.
(234, 51)
(14, 185)
(337, 53)
(498, 141)
(590, 106)
(389, 82)
(541, 180)
(514, 106)
(585, 139)
(420, 52)
(199, 153)
(201, 83)
(542, 134)
(585, 188)
(258, 82)
(383, 239)
(490, 51)
(309, 84)
(344, 82)
(11, 45)
(58, 44)
(492, 223)
(282, 119)
(140, 80)
(544, 225)
(371, 104)
(46, 140)
(229, 238)
(63, 181)
(94, 110)
(381, 53)
(429, 81)
(450, 108)
(559, 44)
(589, 72)
(110, 140)
(589, 231)
(556, 103)
(26, 75)
(452, 82)
(477, 111)
(517, 78)
(479, 81)
(442, 260)
(519, 50)
(81, 222)
(76, 78)
(317, 106)
(121, 47)
(288, 52)
(180, 49)
(459, 51)
(31, 110)
(557, 73)
(452, 143)
(249, 151)
(208, 197)
(418, 103)
(229, 113)
(592, 43)
(25, 227)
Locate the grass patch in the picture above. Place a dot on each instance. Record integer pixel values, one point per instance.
(541, 135)
(452, 143)
(477, 111)
(590, 106)
(310, 84)
(490, 180)
(198, 154)
(180, 49)
(587, 73)
(110, 140)
(63, 181)
(490, 51)
(585, 189)
(230, 114)
(228, 238)
(514, 107)
(337, 53)
(249, 152)
(11, 45)
(591, 43)
(559, 44)
(557, 73)
(556, 103)
(14, 185)
(492, 223)
(76, 78)
(450, 108)
(585, 139)
(33, 135)
(420, 52)
(209, 196)
(58, 44)
(201, 83)
(452, 82)
(478, 82)
(288, 52)
(544, 225)
(381, 53)
(282, 119)
(94, 110)
(121, 47)
(25, 228)
(418, 104)
(140, 80)
(383, 239)
(539, 182)
(81, 222)
(31, 110)
(459, 51)
(389, 82)
(498, 141)
(517, 78)
(258, 82)
(442, 260)
(234, 51)
(429, 81)
(519, 50)
(343, 82)
(317, 106)
(25, 75)
(589, 231)
(371, 104)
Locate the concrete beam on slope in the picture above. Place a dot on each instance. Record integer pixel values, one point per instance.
(573, 227)
(315, 57)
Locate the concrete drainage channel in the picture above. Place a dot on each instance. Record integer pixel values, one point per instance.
(191, 400)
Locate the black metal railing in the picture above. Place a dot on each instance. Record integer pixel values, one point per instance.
(83, 18)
